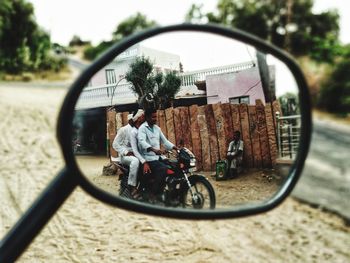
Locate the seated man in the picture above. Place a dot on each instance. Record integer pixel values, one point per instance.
(122, 145)
(235, 154)
(150, 137)
(138, 119)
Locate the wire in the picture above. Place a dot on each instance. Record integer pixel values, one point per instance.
(250, 55)
(252, 87)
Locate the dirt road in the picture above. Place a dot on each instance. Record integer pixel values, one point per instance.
(85, 230)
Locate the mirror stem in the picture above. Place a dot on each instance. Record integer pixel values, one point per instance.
(35, 218)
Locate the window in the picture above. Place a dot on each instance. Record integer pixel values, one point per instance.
(240, 99)
(110, 76)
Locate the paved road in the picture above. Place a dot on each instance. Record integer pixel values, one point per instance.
(326, 176)
(78, 64)
(37, 84)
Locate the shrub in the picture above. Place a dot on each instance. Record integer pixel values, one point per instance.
(53, 63)
(335, 92)
(26, 76)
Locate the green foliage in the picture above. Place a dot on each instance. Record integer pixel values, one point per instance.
(289, 104)
(144, 81)
(131, 25)
(16, 26)
(167, 89)
(140, 75)
(54, 63)
(292, 27)
(91, 52)
(23, 45)
(325, 49)
(125, 28)
(335, 92)
(195, 14)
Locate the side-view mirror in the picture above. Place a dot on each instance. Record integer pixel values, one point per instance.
(224, 129)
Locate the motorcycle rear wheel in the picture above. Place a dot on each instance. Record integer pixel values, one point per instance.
(123, 187)
(204, 194)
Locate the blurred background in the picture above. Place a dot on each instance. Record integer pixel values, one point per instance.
(39, 38)
(53, 41)
(45, 44)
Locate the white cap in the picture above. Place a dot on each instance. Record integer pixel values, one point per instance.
(138, 115)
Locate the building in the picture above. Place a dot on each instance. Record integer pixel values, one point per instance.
(237, 87)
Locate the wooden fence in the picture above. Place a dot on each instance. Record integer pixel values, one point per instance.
(207, 131)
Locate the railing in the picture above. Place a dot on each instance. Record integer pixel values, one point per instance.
(288, 135)
(101, 96)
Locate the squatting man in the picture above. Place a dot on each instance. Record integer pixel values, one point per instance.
(234, 154)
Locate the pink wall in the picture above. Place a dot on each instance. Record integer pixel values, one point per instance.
(227, 85)
(99, 79)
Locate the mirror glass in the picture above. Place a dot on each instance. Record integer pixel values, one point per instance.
(224, 129)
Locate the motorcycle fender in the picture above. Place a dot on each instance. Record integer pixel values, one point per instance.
(193, 176)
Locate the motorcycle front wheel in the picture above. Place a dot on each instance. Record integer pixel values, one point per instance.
(201, 195)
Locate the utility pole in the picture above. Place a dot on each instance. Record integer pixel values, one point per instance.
(264, 75)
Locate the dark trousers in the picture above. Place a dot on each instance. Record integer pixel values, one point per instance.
(158, 176)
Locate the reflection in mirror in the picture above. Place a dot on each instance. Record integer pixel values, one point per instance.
(229, 115)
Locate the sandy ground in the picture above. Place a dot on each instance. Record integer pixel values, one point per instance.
(250, 186)
(85, 230)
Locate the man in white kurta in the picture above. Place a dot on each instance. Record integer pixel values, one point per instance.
(235, 153)
(122, 145)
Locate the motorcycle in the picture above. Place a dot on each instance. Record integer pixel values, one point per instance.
(182, 187)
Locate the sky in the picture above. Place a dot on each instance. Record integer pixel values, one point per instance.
(223, 51)
(95, 21)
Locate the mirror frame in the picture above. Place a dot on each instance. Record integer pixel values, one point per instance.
(67, 111)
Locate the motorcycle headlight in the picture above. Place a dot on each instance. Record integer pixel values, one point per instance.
(193, 162)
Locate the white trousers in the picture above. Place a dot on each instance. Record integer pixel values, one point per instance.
(133, 164)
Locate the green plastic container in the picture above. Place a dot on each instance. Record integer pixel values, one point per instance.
(221, 169)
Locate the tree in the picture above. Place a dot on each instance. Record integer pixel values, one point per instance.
(23, 45)
(288, 24)
(16, 26)
(167, 90)
(91, 52)
(145, 81)
(335, 91)
(125, 28)
(131, 25)
(77, 41)
(140, 75)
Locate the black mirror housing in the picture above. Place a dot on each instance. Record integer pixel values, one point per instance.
(66, 115)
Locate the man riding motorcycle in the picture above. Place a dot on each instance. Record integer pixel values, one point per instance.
(150, 137)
